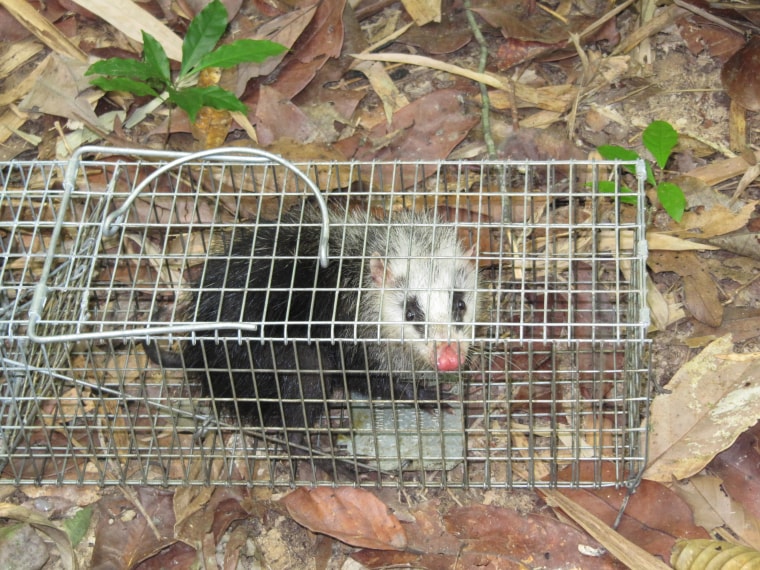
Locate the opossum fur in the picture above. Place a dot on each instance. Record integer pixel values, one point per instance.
(411, 279)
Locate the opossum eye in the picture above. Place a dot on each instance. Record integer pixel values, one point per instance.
(459, 307)
(412, 310)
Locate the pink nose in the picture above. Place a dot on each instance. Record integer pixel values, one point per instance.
(447, 358)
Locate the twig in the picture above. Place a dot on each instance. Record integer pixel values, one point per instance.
(485, 116)
(708, 16)
(132, 498)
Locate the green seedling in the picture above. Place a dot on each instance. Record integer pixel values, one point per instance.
(659, 138)
(151, 75)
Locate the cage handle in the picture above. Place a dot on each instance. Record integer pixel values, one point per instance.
(228, 154)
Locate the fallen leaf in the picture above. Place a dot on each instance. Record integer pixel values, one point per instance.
(667, 242)
(742, 323)
(714, 221)
(644, 522)
(707, 405)
(713, 508)
(353, 516)
(624, 550)
(57, 92)
(427, 129)
(739, 469)
(50, 529)
(124, 536)
(423, 11)
(278, 118)
(452, 33)
(700, 291)
(499, 531)
(285, 30)
(705, 553)
(743, 242)
(740, 76)
(320, 41)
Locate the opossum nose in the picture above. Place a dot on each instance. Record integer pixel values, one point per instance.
(447, 357)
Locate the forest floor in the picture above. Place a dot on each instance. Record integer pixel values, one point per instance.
(361, 80)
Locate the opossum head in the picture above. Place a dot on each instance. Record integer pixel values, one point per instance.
(425, 289)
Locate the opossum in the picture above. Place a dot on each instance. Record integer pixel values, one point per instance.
(396, 300)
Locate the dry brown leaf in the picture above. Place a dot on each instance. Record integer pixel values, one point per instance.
(659, 309)
(742, 242)
(132, 20)
(739, 469)
(704, 554)
(624, 550)
(741, 322)
(700, 291)
(712, 508)
(447, 36)
(57, 92)
(353, 516)
(384, 87)
(427, 129)
(423, 11)
(43, 29)
(129, 537)
(708, 404)
(552, 98)
(277, 117)
(52, 530)
(285, 30)
(701, 297)
(657, 240)
(503, 534)
(714, 221)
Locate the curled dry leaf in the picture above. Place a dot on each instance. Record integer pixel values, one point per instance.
(703, 553)
(708, 404)
(50, 529)
(714, 508)
(353, 516)
(741, 78)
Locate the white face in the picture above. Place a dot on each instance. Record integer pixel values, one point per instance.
(430, 303)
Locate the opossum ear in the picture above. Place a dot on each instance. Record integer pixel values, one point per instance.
(381, 275)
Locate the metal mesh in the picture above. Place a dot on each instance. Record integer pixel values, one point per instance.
(553, 391)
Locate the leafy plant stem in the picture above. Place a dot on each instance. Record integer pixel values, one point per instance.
(142, 112)
(152, 74)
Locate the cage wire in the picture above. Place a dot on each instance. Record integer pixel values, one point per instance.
(113, 375)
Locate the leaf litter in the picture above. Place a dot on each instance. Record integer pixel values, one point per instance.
(704, 270)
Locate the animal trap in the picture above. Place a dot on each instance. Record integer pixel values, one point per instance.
(229, 316)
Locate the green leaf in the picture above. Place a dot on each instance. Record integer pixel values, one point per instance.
(192, 99)
(203, 34)
(120, 67)
(124, 84)
(660, 139)
(614, 152)
(608, 187)
(155, 56)
(76, 526)
(218, 98)
(672, 199)
(239, 52)
(186, 100)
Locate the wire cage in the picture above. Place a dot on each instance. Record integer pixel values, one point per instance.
(228, 317)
